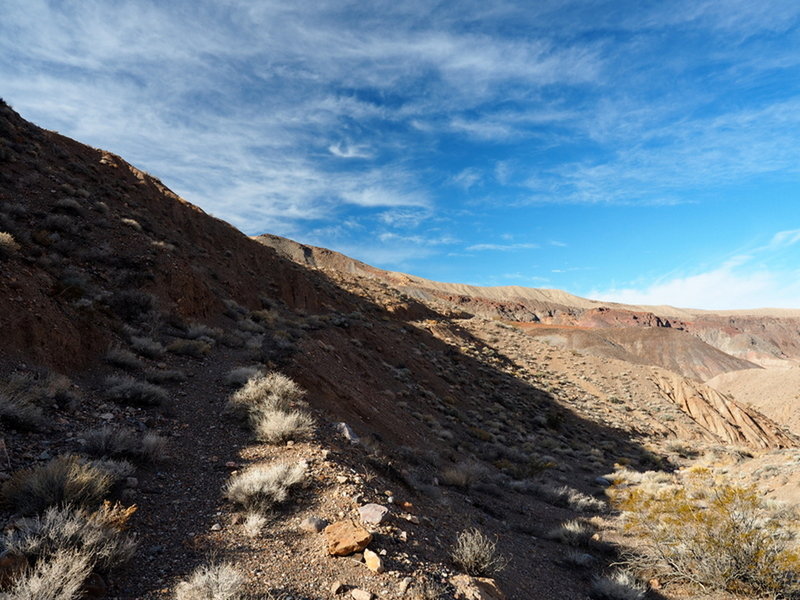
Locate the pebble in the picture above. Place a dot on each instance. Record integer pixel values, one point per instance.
(359, 594)
(313, 524)
(216, 527)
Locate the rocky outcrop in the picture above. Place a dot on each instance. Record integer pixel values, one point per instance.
(725, 418)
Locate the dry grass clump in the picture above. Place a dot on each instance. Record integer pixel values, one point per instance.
(620, 585)
(577, 532)
(263, 486)
(200, 331)
(267, 402)
(193, 348)
(19, 409)
(64, 480)
(211, 582)
(241, 375)
(96, 535)
(8, 245)
(149, 348)
(567, 497)
(60, 578)
(463, 475)
(275, 426)
(124, 359)
(132, 305)
(254, 524)
(477, 555)
(108, 442)
(714, 534)
(273, 391)
(131, 391)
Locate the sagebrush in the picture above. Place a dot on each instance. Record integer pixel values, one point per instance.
(477, 555)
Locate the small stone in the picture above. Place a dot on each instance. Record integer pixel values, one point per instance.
(373, 561)
(107, 416)
(216, 527)
(231, 464)
(358, 594)
(372, 514)
(402, 536)
(347, 432)
(476, 588)
(337, 587)
(345, 537)
(602, 481)
(313, 524)
(404, 585)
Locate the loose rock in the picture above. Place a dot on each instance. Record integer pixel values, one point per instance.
(476, 588)
(345, 537)
(358, 594)
(373, 561)
(372, 514)
(313, 524)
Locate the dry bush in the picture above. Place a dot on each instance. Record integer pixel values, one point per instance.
(60, 578)
(64, 480)
(193, 348)
(8, 245)
(108, 442)
(463, 475)
(620, 585)
(240, 375)
(275, 426)
(149, 348)
(134, 392)
(576, 532)
(714, 534)
(131, 305)
(262, 486)
(96, 535)
(253, 524)
(18, 408)
(196, 331)
(124, 359)
(567, 497)
(211, 582)
(477, 555)
(273, 391)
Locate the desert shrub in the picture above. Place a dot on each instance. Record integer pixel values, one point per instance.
(477, 555)
(19, 409)
(147, 347)
(620, 585)
(240, 375)
(124, 443)
(193, 348)
(276, 426)
(263, 486)
(165, 376)
(60, 578)
(576, 558)
(195, 331)
(96, 535)
(116, 468)
(8, 245)
(62, 223)
(131, 391)
(131, 223)
(69, 205)
(211, 582)
(132, 305)
(124, 359)
(273, 391)
(576, 532)
(714, 534)
(567, 497)
(253, 524)
(463, 475)
(64, 480)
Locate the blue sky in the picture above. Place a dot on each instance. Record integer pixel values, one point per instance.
(641, 151)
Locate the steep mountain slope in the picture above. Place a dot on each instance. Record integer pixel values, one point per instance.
(111, 284)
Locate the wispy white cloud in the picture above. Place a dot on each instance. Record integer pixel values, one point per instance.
(501, 247)
(742, 281)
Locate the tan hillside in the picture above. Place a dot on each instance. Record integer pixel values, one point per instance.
(774, 392)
